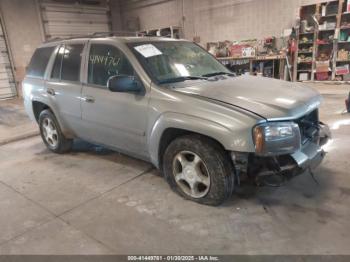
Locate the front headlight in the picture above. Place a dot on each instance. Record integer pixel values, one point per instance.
(276, 138)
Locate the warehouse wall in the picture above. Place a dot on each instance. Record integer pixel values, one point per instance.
(115, 7)
(23, 29)
(216, 20)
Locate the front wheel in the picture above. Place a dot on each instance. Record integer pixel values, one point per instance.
(51, 133)
(198, 169)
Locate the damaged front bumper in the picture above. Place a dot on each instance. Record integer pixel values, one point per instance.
(312, 153)
(262, 169)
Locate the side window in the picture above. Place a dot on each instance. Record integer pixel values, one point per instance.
(106, 61)
(38, 63)
(71, 61)
(56, 70)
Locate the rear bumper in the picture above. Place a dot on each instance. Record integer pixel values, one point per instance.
(28, 106)
(311, 154)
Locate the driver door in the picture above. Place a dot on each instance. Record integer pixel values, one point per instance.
(114, 119)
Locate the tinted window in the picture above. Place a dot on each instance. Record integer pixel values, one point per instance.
(56, 70)
(106, 61)
(39, 61)
(71, 62)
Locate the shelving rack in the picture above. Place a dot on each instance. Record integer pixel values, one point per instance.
(277, 62)
(328, 20)
(305, 43)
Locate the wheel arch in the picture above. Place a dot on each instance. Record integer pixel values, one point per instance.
(172, 125)
(38, 106)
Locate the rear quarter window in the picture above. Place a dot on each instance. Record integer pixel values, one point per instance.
(39, 61)
(71, 61)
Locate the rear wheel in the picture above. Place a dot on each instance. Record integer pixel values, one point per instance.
(198, 169)
(51, 133)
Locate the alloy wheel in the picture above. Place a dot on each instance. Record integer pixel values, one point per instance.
(50, 132)
(191, 174)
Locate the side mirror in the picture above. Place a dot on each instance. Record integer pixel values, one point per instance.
(126, 84)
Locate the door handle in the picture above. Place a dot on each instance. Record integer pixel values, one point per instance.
(88, 99)
(51, 91)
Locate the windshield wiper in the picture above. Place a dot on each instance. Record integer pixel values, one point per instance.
(218, 73)
(182, 79)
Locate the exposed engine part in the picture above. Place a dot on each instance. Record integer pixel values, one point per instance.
(272, 171)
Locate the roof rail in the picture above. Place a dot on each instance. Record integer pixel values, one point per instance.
(114, 33)
(94, 35)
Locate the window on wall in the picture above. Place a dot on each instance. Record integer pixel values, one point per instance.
(39, 61)
(71, 61)
(106, 61)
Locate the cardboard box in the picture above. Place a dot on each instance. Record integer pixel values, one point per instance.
(343, 55)
(322, 66)
(303, 76)
(342, 70)
(248, 52)
(236, 50)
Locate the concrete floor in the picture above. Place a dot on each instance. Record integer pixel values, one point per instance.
(94, 201)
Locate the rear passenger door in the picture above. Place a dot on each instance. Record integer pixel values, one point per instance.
(64, 84)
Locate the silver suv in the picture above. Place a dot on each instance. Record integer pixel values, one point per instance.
(171, 103)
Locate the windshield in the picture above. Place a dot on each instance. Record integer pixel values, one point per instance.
(172, 61)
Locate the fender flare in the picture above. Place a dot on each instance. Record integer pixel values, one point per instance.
(187, 123)
(63, 126)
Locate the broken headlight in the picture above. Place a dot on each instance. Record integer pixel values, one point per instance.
(276, 138)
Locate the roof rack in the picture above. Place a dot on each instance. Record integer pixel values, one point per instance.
(94, 35)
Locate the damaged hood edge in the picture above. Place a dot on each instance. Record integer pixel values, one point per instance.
(267, 98)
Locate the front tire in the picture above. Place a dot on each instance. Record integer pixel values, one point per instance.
(51, 133)
(198, 169)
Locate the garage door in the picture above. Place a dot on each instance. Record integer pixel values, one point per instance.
(67, 20)
(7, 81)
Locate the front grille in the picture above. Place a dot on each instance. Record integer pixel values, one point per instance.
(309, 126)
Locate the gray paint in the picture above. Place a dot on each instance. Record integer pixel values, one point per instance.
(211, 20)
(225, 110)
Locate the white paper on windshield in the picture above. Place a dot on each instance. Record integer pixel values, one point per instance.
(148, 50)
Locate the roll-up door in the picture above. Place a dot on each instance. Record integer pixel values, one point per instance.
(73, 19)
(7, 81)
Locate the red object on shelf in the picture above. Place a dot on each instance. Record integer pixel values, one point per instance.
(236, 49)
(322, 76)
(322, 42)
(293, 46)
(342, 70)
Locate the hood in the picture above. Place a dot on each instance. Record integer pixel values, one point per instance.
(269, 98)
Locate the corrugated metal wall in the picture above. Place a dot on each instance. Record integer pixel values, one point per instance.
(217, 20)
(7, 81)
(66, 20)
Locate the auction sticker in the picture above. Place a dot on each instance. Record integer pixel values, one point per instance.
(148, 50)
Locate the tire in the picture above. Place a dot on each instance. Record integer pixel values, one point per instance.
(213, 179)
(54, 139)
